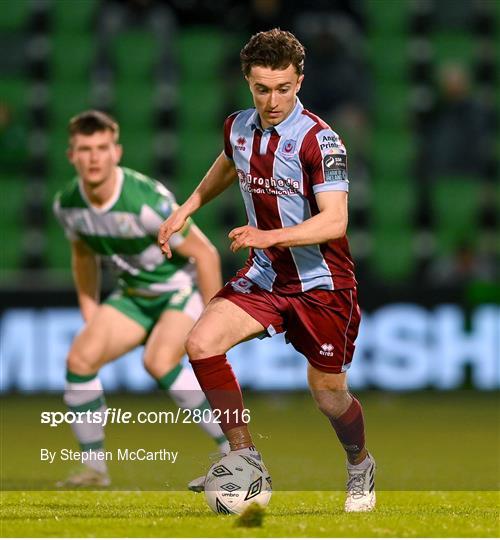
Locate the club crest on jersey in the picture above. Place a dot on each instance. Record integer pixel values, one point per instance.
(79, 224)
(288, 147)
(124, 226)
(240, 144)
(242, 285)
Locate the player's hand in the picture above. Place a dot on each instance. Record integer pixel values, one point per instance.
(247, 237)
(170, 226)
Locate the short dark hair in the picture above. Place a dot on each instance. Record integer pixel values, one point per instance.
(276, 49)
(88, 122)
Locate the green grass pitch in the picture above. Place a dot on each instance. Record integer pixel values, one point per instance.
(437, 458)
(292, 514)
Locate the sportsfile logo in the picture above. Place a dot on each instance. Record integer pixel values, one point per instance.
(326, 349)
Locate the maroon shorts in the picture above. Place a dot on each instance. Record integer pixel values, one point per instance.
(320, 324)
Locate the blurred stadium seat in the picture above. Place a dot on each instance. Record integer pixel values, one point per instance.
(456, 206)
(75, 19)
(14, 15)
(11, 219)
(72, 57)
(125, 70)
(136, 53)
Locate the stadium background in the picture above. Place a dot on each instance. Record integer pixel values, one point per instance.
(412, 87)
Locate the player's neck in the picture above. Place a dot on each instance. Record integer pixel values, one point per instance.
(100, 194)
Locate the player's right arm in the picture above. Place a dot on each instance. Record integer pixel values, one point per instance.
(219, 177)
(87, 277)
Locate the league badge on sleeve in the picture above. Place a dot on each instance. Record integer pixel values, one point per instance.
(335, 167)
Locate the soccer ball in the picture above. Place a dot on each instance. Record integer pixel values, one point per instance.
(235, 482)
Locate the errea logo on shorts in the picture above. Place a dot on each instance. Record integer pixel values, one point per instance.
(327, 349)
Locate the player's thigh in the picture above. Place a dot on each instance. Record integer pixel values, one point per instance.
(222, 325)
(108, 335)
(321, 380)
(166, 343)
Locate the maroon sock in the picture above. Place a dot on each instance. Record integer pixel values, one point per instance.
(223, 392)
(350, 428)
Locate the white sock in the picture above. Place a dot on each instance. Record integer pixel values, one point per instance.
(87, 396)
(224, 447)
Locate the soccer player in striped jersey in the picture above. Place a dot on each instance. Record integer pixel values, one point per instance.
(299, 277)
(112, 214)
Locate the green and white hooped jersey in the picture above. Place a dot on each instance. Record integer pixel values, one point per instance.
(123, 232)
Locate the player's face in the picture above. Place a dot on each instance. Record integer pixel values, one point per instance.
(274, 92)
(95, 156)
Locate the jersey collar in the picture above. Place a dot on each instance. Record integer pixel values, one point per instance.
(254, 120)
(112, 201)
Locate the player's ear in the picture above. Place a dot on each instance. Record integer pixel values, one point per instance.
(69, 151)
(299, 83)
(118, 152)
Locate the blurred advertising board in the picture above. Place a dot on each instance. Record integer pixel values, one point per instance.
(401, 347)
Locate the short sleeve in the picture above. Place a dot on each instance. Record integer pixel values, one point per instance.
(60, 216)
(163, 201)
(325, 159)
(228, 124)
(160, 207)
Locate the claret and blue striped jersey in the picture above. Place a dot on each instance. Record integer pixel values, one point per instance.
(280, 170)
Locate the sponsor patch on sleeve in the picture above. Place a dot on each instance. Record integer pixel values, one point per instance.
(335, 168)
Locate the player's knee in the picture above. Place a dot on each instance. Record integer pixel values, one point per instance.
(81, 363)
(332, 403)
(157, 365)
(150, 365)
(196, 346)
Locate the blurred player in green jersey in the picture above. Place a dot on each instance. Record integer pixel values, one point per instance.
(112, 214)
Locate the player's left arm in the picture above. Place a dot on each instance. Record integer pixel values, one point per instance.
(330, 223)
(203, 253)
